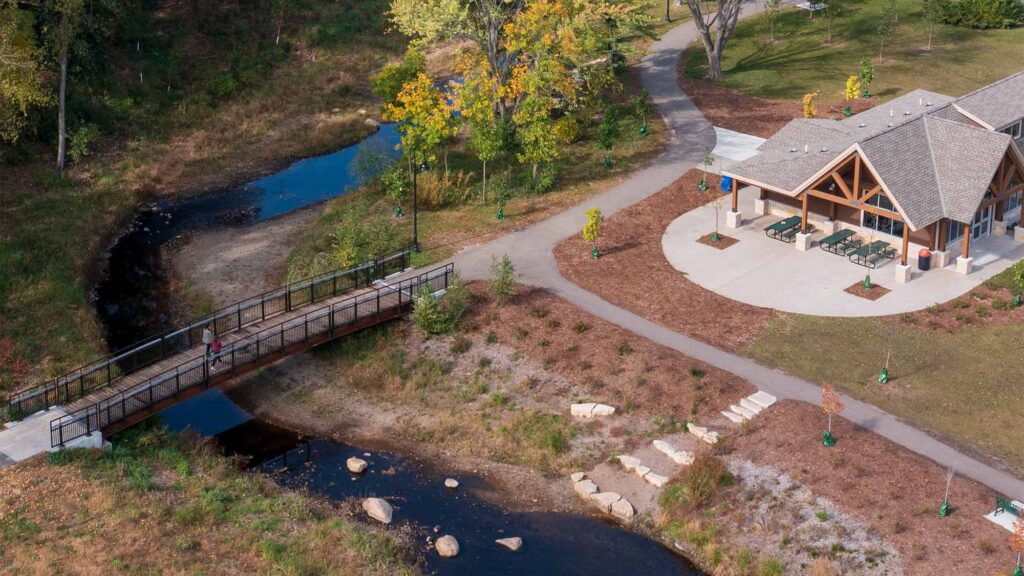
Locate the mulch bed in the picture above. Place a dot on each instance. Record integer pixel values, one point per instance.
(633, 272)
(610, 362)
(874, 293)
(722, 243)
(891, 489)
(733, 110)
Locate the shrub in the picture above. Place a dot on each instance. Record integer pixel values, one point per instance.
(771, 568)
(441, 315)
(983, 13)
(580, 327)
(624, 349)
(697, 484)
(395, 182)
(982, 312)
(492, 337)
(503, 280)
(539, 311)
(1000, 304)
(80, 139)
(960, 304)
(460, 345)
(389, 81)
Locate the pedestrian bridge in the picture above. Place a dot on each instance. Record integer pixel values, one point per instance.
(125, 388)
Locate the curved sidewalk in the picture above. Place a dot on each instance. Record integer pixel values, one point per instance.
(532, 251)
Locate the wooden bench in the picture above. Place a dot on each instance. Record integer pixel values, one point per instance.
(841, 242)
(1004, 505)
(869, 256)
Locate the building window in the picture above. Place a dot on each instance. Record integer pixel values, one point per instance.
(954, 231)
(1013, 130)
(1013, 202)
(881, 223)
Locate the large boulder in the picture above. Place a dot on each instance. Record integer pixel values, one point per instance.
(582, 410)
(447, 546)
(378, 509)
(602, 410)
(513, 544)
(585, 488)
(356, 465)
(623, 509)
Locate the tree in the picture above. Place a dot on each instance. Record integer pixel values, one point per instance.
(1018, 280)
(389, 81)
(714, 197)
(886, 26)
(592, 230)
(832, 10)
(867, 75)
(770, 17)
(852, 91)
(1017, 543)
(425, 117)
(810, 106)
(715, 30)
(831, 405)
(21, 86)
(503, 279)
(476, 101)
(608, 132)
(932, 12)
(70, 22)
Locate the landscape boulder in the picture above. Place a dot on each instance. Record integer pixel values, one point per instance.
(623, 509)
(513, 544)
(451, 483)
(585, 488)
(447, 546)
(604, 500)
(356, 465)
(378, 509)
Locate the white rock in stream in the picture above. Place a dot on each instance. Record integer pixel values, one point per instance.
(378, 509)
(513, 544)
(356, 465)
(451, 483)
(447, 546)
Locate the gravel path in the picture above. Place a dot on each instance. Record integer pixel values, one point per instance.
(531, 249)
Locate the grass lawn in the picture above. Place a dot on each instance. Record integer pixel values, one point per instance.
(966, 384)
(799, 61)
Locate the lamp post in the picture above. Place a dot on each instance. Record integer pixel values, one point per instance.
(422, 167)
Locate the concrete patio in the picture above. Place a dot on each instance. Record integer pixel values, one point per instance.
(772, 274)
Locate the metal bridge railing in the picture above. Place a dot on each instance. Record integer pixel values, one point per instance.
(320, 324)
(100, 373)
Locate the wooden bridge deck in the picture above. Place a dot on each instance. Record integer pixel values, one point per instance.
(144, 392)
(191, 355)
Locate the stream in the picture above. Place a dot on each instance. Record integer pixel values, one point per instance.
(134, 302)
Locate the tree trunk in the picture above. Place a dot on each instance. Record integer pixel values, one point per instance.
(62, 137)
(277, 40)
(483, 193)
(714, 65)
(535, 167)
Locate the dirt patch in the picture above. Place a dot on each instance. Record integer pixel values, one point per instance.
(893, 491)
(733, 110)
(633, 272)
(874, 293)
(722, 243)
(228, 265)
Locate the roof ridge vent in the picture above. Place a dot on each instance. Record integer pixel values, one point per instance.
(806, 146)
(891, 112)
(929, 103)
(920, 101)
(906, 113)
(862, 125)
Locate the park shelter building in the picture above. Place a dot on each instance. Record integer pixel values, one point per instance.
(924, 170)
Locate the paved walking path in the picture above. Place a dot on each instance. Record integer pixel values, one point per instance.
(531, 249)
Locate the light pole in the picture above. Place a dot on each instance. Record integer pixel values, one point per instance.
(415, 228)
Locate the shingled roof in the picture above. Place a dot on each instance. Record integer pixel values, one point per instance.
(996, 105)
(932, 159)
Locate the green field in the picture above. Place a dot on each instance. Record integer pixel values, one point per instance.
(799, 61)
(967, 384)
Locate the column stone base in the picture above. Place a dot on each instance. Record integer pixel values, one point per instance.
(903, 273)
(964, 265)
(760, 207)
(998, 228)
(733, 219)
(940, 258)
(803, 242)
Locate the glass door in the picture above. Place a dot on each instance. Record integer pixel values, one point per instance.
(982, 224)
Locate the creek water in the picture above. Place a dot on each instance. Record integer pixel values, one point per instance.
(553, 543)
(134, 302)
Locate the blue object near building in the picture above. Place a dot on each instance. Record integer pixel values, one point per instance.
(727, 183)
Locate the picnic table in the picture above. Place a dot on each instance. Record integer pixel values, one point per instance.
(841, 242)
(870, 255)
(784, 230)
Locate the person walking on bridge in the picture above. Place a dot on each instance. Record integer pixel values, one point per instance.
(213, 356)
(208, 338)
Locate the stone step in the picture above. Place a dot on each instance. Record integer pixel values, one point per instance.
(762, 399)
(749, 405)
(733, 416)
(742, 411)
(678, 456)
